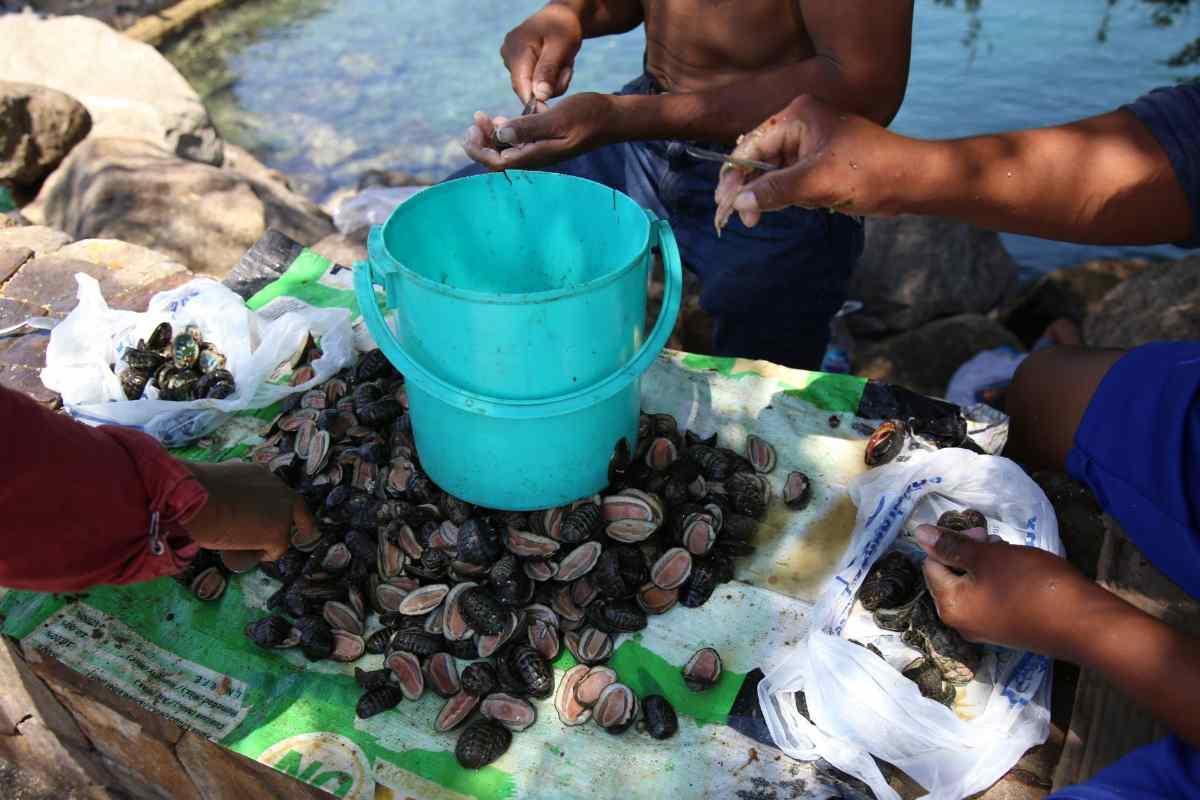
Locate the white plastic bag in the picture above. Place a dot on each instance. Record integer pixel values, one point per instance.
(371, 206)
(861, 705)
(92, 338)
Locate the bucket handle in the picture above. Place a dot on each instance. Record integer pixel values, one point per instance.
(661, 234)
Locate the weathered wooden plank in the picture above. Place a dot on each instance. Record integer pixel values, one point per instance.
(1105, 724)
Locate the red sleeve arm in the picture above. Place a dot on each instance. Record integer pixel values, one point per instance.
(82, 506)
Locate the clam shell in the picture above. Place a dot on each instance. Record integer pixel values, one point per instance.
(514, 713)
(563, 605)
(390, 559)
(584, 591)
(454, 626)
(407, 541)
(544, 638)
(579, 561)
(616, 709)
(593, 684)
(540, 571)
(672, 569)
(305, 432)
(661, 454)
(445, 537)
(699, 534)
(305, 541)
(797, 490)
(543, 612)
(703, 669)
(593, 647)
(655, 600)
(318, 453)
(529, 545)
(488, 645)
(209, 584)
(347, 646)
(389, 597)
(455, 712)
(407, 669)
(423, 600)
(341, 617)
(441, 674)
(570, 711)
(760, 454)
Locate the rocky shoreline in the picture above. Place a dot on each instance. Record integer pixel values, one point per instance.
(109, 143)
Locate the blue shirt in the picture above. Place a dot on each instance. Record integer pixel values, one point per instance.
(1137, 449)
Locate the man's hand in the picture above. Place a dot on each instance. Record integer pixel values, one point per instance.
(540, 53)
(1022, 597)
(830, 159)
(575, 125)
(248, 508)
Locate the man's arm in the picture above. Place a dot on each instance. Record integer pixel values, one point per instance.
(604, 17)
(861, 65)
(1103, 180)
(1033, 600)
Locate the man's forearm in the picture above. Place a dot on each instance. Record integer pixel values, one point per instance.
(1103, 180)
(604, 17)
(1156, 665)
(724, 113)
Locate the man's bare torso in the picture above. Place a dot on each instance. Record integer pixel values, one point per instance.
(693, 45)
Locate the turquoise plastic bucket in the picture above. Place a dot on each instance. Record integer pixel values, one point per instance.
(517, 285)
(534, 433)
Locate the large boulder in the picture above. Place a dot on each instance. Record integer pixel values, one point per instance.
(916, 269)
(128, 87)
(1161, 302)
(924, 360)
(1068, 293)
(199, 215)
(38, 127)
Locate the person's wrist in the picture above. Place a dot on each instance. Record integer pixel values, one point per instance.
(1093, 624)
(208, 517)
(913, 177)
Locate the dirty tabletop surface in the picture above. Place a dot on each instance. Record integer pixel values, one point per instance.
(190, 662)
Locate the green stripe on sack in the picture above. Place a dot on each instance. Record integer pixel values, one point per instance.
(301, 281)
(824, 390)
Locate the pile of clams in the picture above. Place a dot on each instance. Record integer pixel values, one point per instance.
(894, 592)
(179, 367)
(474, 604)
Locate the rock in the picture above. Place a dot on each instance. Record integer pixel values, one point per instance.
(925, 359)
(915, 269)
(389, 178)
(11, 259)
(202, 216)
(1068, 293)
(1161, 302)
(49, 282)
(38, 127)
(40, 239)
(344, 248)
(128, 87)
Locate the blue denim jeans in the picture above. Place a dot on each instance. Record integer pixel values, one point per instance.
(772, 289)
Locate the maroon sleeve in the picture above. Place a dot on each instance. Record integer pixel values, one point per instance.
(82, 506)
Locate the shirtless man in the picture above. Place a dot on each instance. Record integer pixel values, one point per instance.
(713, 69)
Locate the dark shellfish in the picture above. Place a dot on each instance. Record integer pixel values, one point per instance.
(482, 611)
(616, 709)
(514, 713)
(273, 632)
(703, 669)
(671, 569)
(456, 711)
(478, 678)
(886, 443)
(377, 700)
(760, 454)
(571, 712)
(892, 581)
(797, 491)
(659, 717)
(482, 743)
(928, 678)
(963, 520)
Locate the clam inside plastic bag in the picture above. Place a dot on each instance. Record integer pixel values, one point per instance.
(84, 347)
(859, 704)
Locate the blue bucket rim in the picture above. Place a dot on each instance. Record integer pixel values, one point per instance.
(377, 246)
